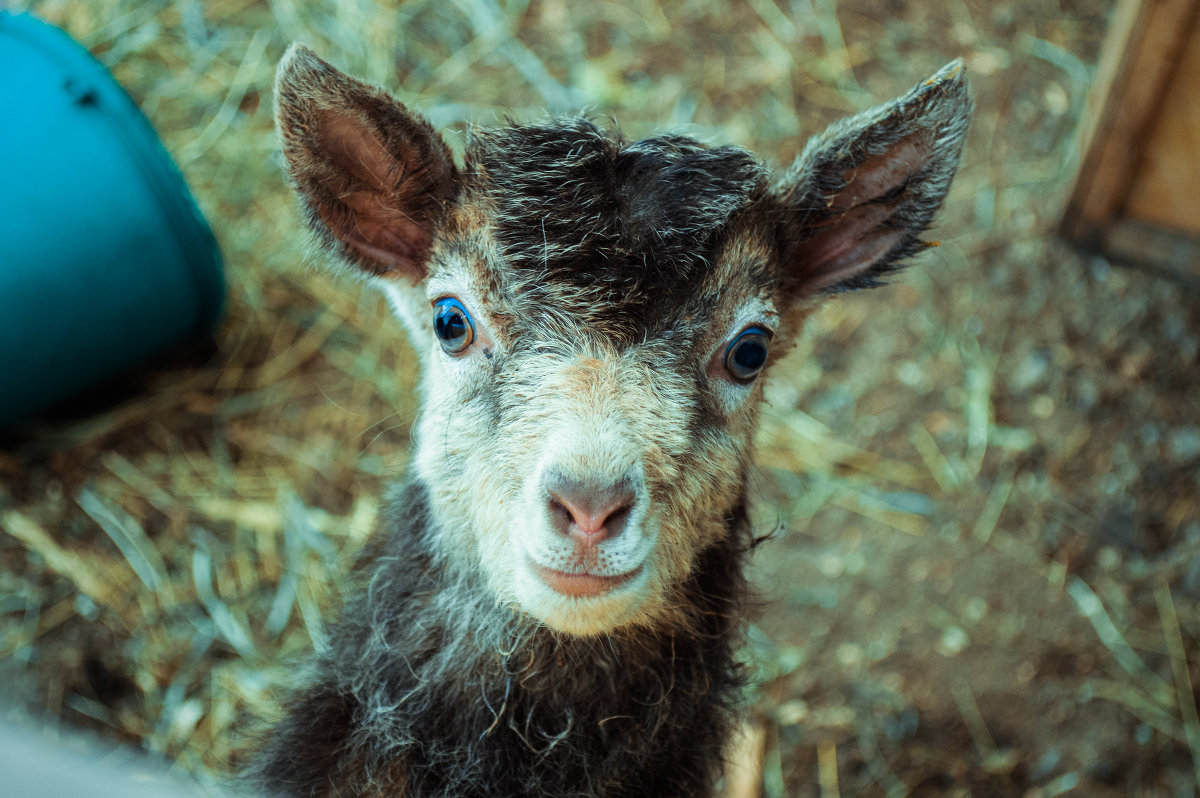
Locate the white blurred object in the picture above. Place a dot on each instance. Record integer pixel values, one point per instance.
(36, 764)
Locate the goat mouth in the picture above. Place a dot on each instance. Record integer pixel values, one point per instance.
(581, 585)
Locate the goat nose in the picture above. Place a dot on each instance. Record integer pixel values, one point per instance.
(588, 512)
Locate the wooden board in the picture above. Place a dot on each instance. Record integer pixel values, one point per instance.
(1140, 172)
(1166, 183)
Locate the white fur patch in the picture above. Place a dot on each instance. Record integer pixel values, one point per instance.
(494, 423)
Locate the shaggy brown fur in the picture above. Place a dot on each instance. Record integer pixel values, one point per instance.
(504, 641)
(431, 689)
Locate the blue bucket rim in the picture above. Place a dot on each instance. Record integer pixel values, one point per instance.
(145, 149)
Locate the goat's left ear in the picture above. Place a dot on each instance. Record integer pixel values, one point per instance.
(862, 192)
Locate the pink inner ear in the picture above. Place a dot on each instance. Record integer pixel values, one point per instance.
(383, 233)
(352, 147)
(855, 238)
(880, 176)
(846, 257)
(368, 192)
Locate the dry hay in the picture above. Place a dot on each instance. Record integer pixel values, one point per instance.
(987, 472)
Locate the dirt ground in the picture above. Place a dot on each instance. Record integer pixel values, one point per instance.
(984, 478)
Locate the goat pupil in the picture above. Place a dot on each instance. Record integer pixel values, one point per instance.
(452, 325)
(750, 356)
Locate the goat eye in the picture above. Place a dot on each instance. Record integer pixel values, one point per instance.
(452, 325)
(747, 354)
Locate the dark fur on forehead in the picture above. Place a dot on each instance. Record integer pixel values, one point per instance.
(578, 205)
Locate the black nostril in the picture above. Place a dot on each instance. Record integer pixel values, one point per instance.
(560, 516)
(617, 519)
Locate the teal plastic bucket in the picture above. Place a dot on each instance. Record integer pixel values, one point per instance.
(105, 260)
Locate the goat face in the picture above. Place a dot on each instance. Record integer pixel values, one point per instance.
(594, 316)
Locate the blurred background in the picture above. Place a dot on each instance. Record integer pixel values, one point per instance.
(984, 478)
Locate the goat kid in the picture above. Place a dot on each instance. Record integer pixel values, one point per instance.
(554, 605)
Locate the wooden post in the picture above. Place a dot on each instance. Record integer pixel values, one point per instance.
(1138, 187)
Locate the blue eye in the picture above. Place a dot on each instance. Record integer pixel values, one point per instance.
(747, 354)
(452, 325)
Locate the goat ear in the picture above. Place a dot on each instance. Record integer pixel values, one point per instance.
(373, 177)
(864, 190)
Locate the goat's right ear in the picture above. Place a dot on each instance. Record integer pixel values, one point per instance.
(861, 194)
(374, 178)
